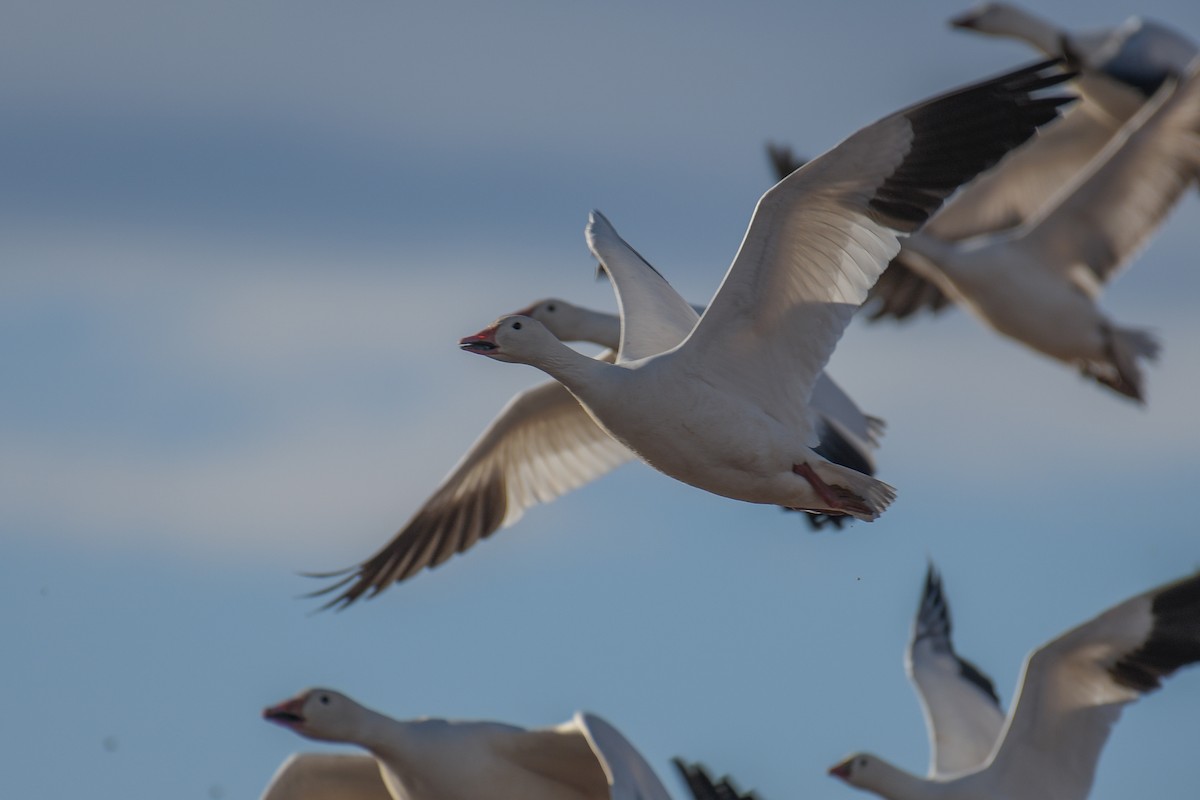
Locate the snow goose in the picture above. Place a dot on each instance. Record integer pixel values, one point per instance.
(846, 435)
(1071, 693)
(1138, 54)
(544, 444)
(1039, 283)
(703, 787)
(1119, 68)
(436, 759)
(726, 410)
(962, 713)
(327, 776)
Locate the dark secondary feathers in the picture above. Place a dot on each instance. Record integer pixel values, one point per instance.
(703, 787)
(933, 624)
(1174, 640)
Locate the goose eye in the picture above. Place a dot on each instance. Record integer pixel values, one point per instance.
(324, 699)
(516, 326)
(550, 307)
(862, 762)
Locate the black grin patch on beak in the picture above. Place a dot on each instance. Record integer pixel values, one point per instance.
(284, 716)
(478, 347)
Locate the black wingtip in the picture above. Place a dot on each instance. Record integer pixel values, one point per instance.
(933, 622)
(1174, 639)
(783, 161)
(960, 134)
(702, 786)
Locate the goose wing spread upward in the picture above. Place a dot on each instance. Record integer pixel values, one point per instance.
(819, 239)
(1073, 688)
(629, 776)
(654, 318)
(1096, 224)
(327, 776)
(962, 713)
(588, 755)
(541, 445)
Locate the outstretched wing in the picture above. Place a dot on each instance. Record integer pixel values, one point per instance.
(541, 445)
(820, 238)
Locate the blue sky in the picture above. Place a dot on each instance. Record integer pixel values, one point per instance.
(240, 241)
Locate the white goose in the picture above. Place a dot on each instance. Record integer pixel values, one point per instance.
(543, 444)
(436, 759)
(726, 409)
(1120, 68)
(1071, 692)
(1039, 283)
(1138, 54)
(847, 436)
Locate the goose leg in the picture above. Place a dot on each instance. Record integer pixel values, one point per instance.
(839, 499)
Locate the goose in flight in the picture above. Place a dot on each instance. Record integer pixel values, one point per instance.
(437, 759)
(1120, 69)
(544, 444)
(1071, 692)
(1039, 282)
(1137, 55)
(727, 409)
(847, 436)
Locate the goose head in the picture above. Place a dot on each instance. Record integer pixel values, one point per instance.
(516, 338)
(871, 773)
(321, 714)
(571, 323)
(1003, 19)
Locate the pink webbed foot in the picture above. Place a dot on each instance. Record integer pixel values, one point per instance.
(839, 499)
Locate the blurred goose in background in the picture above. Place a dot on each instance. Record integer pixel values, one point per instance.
(726, 409)
(1138, 55)
(1071, 693)
(963, 716)
(1038, 282)
(703, 787)
(436, 759)
(1120, 69)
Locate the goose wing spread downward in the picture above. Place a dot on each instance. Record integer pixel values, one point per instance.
(820, 238)
(541, 445)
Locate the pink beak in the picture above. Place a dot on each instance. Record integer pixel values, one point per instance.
(841, 770)
(483, 342)
(289, 713)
